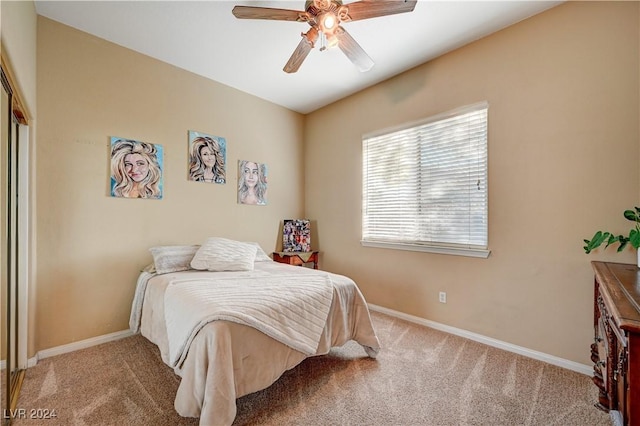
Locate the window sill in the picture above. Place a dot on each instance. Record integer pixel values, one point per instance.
(455, 251)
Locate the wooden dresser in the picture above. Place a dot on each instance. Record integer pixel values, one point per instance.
(616, 350)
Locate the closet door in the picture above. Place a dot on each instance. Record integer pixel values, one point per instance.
(9, 251)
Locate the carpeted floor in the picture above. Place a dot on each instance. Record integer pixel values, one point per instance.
(421, 377)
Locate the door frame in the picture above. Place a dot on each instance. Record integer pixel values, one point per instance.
(24, 243)
(22, 142)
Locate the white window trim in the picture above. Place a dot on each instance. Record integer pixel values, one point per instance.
(455, 251)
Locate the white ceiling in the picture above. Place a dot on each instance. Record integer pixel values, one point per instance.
(205, 38)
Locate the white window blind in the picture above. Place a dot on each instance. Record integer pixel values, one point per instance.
(425, 185)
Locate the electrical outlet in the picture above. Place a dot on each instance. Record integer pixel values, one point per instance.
(443, 297)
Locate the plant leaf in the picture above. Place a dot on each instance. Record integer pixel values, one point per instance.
(631, 215)
(596, 241)
(623, 242)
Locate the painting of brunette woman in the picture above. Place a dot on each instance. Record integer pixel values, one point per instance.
(252, 183)
(207, 155)
(136, 169)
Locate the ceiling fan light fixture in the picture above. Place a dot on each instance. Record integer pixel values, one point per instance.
(332, 41)
(328, 22)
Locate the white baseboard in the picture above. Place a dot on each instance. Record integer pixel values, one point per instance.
(82, 344)
(540, 356)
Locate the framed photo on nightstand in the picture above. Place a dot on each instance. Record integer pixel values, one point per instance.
(296, 235)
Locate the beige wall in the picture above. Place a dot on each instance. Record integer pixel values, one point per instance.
(91, 246)
(563, 90)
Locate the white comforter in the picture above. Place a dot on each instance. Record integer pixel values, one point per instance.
(227, 359)
(285, 307)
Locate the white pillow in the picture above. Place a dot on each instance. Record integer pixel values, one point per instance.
(173, 258)
(221, 254)
(261, 256)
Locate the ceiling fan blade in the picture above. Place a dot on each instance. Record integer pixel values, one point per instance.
(299, 55)
(249, 12)
(352, 49)
(366, 9)
(301, 52)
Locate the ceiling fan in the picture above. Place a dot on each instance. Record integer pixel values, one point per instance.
(324, 17)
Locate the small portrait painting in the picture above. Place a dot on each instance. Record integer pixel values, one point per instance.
(207, 158)
(252, 183)
(136, 169)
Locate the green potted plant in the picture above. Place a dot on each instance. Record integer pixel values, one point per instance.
(606, 237)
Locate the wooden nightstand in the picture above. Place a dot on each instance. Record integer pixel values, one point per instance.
(296, 258)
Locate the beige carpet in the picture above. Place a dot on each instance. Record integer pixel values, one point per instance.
(421, 377)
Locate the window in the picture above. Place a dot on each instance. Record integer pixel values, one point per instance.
(425, 185)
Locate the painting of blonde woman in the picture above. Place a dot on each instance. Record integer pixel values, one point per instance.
(207, 158)
(252, 183)
(136, 169)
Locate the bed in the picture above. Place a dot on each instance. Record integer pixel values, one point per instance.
(230, 330)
